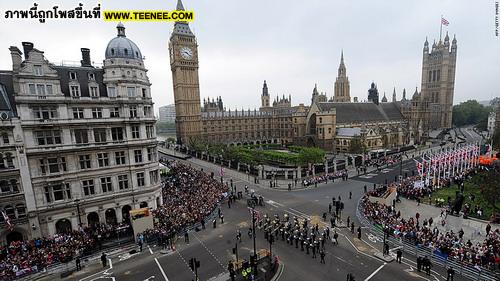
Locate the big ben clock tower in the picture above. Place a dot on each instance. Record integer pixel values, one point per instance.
(184, 65)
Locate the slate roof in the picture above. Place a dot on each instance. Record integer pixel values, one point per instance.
(83, 79)
(7, 92)
(357, 112)
(348, 132)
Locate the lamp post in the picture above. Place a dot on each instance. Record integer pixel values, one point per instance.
(77, 202)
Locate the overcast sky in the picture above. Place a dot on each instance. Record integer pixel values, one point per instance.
(292, 44)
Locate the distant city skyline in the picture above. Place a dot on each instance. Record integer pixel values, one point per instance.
(292, 46)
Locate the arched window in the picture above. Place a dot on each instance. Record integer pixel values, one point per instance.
(112, 51)
(21, 210)
(320, 120)
(125, 51)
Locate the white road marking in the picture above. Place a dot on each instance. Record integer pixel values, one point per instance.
(151, 251)
(375, 272)
(161, 269)
(103, 273)
(306, 215)
(274, 203)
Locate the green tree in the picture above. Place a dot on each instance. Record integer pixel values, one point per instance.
(470, 113)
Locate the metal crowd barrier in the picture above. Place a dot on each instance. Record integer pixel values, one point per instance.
(460, 268)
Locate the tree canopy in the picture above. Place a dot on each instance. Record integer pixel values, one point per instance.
(471, 113)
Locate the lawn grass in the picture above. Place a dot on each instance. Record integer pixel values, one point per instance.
(470, 189)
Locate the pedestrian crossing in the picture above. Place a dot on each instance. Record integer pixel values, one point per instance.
(374, 174)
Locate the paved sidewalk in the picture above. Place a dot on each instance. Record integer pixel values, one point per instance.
(473, 229)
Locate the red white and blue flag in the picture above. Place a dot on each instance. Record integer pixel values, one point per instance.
(444, 21)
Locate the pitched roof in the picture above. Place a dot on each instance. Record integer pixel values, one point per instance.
(7, 92)
(356, 112)
(348, 132)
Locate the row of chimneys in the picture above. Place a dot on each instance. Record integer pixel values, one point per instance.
(28, 47)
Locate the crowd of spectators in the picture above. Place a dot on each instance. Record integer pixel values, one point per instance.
(191, 194)
(451, 244)
(24, 257)
(314, 180)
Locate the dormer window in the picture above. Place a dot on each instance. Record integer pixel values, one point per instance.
(72, 75)
(136, 54)
(112, 51)
(125, 51)
(37, 70)
(91, 76)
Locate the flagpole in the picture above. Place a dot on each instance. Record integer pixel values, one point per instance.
(440, 27)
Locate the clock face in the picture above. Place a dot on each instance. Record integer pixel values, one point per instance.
(186, 53)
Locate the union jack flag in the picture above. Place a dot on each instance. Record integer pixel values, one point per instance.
(7, 221)
(444, 21)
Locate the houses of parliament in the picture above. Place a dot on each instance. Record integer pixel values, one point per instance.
(331, 123)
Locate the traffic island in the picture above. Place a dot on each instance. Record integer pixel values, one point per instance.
(265, 271)
(385, 258)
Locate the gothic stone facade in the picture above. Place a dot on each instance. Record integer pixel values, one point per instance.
(379, 125)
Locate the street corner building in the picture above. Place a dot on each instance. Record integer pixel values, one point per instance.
(78, 142)
(331, 123)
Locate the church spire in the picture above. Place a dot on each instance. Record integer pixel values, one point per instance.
(180, 7)
(394, 95)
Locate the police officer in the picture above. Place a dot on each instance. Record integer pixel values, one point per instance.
(450, 273)
(322, 256)
(104, 260)
(419, 263)
(399, 255)
(359, 232)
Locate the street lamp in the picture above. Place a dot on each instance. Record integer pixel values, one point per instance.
(77, 202)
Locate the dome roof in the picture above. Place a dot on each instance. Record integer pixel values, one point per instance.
(122, 47)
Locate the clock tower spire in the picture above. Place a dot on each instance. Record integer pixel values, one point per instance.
(183, 50)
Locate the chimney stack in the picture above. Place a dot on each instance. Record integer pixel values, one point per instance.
(17, 58)
(85, 57)
(27, 47)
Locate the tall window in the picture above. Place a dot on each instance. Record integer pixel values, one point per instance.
(117, 133)
(38, 70)
(88, 187)
(94, 91)
(40, 88)
(85, 162)
(72, 75)
(48, 137)
(102, 159)
(112, 92)
(138, 155)
(120, 158)
(78, 113)
(97, 113)
(81, 136)
(133, 111)
(140, 179)
(147, 111)
(100, 135)
(106, 185)
(74, 90)
(52, 165)
(151, 154)
(122, 182)
(48, 88)
(57, 192)
(153, 176)
(91, 76)
(131, 92)
(149, 131)
(135, 132)
(114, 112)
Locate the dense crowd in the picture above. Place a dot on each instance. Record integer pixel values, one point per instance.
(450, 243)
(191, 195)
(24, 257)
(325, 178)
